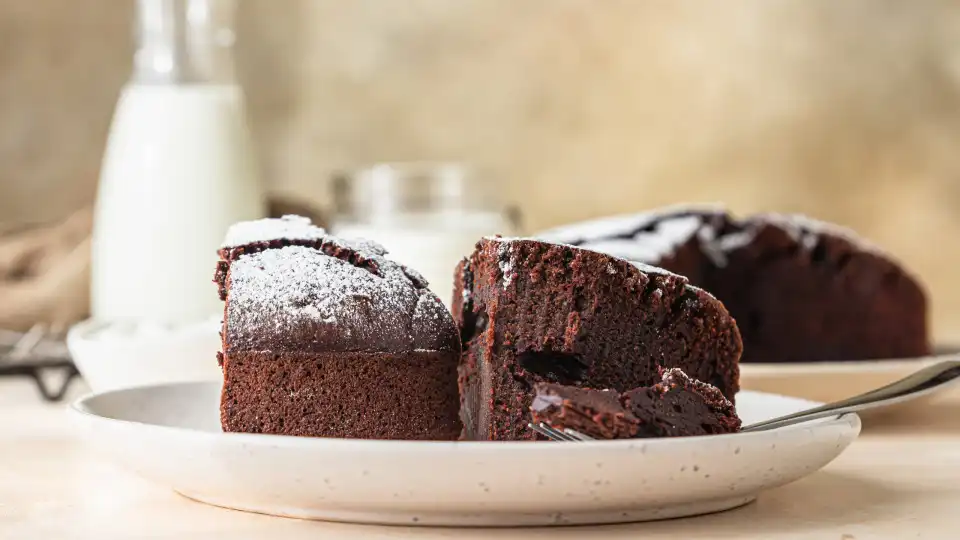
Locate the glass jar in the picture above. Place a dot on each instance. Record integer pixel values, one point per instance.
(427, 215)
(185, 42)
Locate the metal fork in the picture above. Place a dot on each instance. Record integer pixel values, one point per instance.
(924, 381)
(554, 434)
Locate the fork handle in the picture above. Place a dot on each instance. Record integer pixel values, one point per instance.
(923, 380)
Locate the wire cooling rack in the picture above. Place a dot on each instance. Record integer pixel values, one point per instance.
(41, 355)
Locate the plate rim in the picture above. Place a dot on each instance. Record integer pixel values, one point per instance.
(78, 408)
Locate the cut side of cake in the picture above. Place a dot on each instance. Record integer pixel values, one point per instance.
(801, 290)
(327, 337)
(677, 406)
(533, 312)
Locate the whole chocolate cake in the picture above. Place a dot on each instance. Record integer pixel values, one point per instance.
(531, 312)
(329, 338)
(674, 407)
(801, 290)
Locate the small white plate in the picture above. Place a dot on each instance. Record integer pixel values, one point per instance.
(127, 354)
(833, 381)
(171, 434)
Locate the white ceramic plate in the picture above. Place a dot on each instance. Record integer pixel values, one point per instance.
(171, 434)
(833, 381)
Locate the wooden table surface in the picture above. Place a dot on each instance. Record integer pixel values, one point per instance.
(900, 480)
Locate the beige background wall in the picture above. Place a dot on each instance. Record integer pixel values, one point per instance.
(846, 110)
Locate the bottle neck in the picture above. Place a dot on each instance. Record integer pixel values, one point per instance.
(185, 42)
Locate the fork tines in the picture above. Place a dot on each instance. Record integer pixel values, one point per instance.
(554, 434)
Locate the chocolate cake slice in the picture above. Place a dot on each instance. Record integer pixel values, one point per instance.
(329, 338)
(597, 413)
(674, 407)
(801, 290)
(532, 312)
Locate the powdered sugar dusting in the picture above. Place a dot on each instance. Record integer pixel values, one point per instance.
(716, 247)
(804, 230)
(671, 227)
(294, 283)
(656, 270)
(735, 240)
(622, 225)
(507, 239)
(505, 262)
(263, 230)
(670, 233)
(466, 294)
(364, 245)
(416, 277)
(321, 302)
(807, 230)
(648, 269)
(644, 245)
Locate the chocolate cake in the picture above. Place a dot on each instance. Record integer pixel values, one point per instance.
(674, 407)
(801, 290)
(329, 338)
(532, 312)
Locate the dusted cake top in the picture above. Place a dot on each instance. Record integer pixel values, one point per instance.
(328, 295)
(265, 230)
(645, 236)
(652, 236)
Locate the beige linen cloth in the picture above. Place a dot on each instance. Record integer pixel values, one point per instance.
(45, 270)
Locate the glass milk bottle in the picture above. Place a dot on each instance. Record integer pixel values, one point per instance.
(427, 215)
(178, 169)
